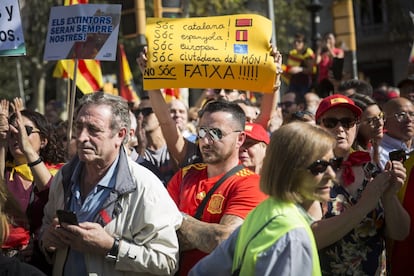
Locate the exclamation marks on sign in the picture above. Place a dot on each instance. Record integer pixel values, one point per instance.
(249, 72)
(228, 35)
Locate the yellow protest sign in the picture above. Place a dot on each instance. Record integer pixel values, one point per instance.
(231, 52)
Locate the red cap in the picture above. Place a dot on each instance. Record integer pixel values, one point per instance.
(256, 132)
(337, 100)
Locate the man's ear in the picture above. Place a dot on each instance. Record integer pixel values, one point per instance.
(241, 138)
(43, 143)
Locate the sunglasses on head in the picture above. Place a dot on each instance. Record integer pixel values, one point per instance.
(145, 111)
(333, 122)
(215, 133)
(320, 166)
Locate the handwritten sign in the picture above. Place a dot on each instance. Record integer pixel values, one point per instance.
(11, 33)
(230, 52)
(88, 31)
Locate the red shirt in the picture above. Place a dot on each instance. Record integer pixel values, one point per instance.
(237, 196)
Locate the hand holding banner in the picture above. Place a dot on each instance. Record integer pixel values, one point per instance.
(210, 52)
(87, 31)
(11, 32)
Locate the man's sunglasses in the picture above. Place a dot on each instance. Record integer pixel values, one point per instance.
(320, 166)
(333, 122)
(215, 133)
(286, 104)
(145, 111)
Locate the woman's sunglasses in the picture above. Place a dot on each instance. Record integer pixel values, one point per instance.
(320, 166)
(346, 122)
(30, 130)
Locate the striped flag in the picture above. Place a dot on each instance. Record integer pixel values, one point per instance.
(74, 2)
(89, 74)
(171, 94)
(127, 89)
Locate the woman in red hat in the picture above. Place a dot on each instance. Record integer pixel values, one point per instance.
(364, 209)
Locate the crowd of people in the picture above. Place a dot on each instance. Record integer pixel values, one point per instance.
(318, 182)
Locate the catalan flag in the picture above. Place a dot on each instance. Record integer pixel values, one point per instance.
(126, 87)
(89, 74)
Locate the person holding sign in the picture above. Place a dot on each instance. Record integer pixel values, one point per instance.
(214, 196)
(186, 152)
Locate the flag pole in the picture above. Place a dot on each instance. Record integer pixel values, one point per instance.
(72, 103)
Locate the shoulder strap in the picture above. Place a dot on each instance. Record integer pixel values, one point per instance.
(203, 203)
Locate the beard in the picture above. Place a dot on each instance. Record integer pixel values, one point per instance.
(212, 156)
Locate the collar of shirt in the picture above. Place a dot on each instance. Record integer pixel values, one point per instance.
(87, 210)
(389, 143)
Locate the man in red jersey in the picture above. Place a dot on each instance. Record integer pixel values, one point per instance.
(220, 136)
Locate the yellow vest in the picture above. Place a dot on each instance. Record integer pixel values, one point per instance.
(268, 222)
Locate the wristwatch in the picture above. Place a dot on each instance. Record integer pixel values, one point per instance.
(112, 255)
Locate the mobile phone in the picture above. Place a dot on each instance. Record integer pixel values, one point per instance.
(68, 217)
(398, 155)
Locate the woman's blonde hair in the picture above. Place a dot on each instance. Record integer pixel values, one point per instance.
(292, 149)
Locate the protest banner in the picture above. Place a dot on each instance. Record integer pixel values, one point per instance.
(87, 31)
(230, 52)
(11, 32)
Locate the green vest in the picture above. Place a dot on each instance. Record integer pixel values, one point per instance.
(263, 227)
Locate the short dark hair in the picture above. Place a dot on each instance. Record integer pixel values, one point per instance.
(300, 37)
(362, 101)
(360, 86)
(224, 106)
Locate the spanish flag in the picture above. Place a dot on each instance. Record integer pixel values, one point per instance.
(171, 94)
(89, 75)
(75, 2)
(126, 87)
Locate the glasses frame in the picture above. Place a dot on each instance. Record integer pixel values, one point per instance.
(320, 166)
(373, 120)
(30, 130)
(404, 115)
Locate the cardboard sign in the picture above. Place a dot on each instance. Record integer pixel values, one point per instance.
(11, 32)
(88, 31)
(230, 52)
